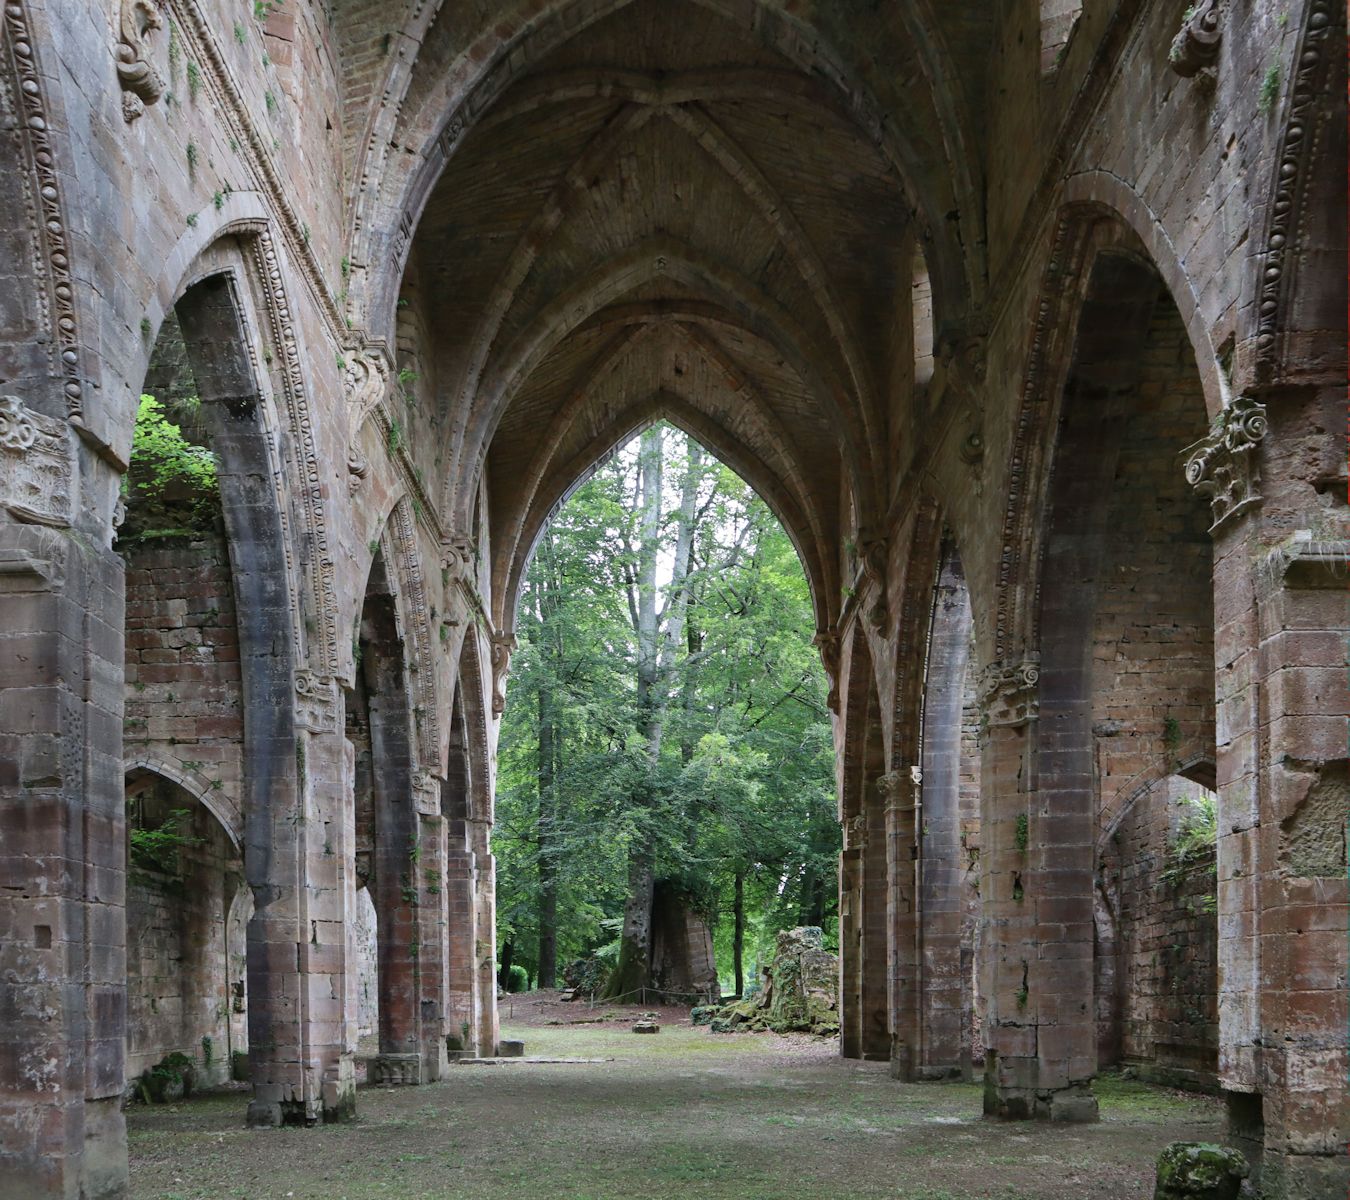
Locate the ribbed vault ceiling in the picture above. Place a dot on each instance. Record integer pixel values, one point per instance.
(666, 217)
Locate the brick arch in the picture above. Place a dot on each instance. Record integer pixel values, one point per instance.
(863, 898)
(1193, 761)
(567, 477)
(196, 786)
(740, 302)
(236, 244)
(475, 78)
(794, 485)
(1084, 231)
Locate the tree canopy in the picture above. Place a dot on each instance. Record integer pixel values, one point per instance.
(666, 719)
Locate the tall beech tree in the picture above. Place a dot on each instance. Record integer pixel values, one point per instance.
(665, 734)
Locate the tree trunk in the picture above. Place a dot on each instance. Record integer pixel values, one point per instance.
(738, 933)
(504, 967)
(549, 746)
(632, 974)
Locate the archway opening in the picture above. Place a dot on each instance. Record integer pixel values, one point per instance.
(665, 789)
(187, 912)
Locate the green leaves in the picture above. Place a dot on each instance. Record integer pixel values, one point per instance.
(171, 485)
(722, 763)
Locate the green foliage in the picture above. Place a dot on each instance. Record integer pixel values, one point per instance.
(517, 979)
(722, 765)
(1021, 833)
(194, 80)
(1196, 837)
(159, 848)
(171, 486)
(1270, 89)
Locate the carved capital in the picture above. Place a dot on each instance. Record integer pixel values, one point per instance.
(316, 702)
(1223, 467)
(1196, 45)
(503, 645)
(1009, 693)
(140, 79)
(37, 466)
(873, 554)
(426, 790)
(827, 642)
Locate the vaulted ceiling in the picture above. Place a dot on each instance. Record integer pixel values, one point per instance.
(667, 216)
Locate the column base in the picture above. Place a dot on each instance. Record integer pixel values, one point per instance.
(1015, 1101)
(396, 1070)
(339, 1092)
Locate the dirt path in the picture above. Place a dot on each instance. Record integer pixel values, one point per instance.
(683, 1113)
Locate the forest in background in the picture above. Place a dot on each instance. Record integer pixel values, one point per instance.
(665, 739)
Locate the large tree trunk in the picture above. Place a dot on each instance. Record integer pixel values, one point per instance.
(549, 747)
(660, 634)
(738, 933)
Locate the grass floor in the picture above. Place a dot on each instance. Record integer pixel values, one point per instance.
(683, 1114)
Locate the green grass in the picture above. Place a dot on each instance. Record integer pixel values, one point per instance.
(682, 1114)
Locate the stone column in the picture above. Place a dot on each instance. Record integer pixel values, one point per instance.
(395, 894)
(898, 792)
(876, 937)
(322, 756)
(485, 938)
(461, 933)
(62, 812)
(1037, 944)
(1284, 792)
(850, 940)
(429, 882)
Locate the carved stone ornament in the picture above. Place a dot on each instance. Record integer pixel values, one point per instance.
(873, 553)
(1009, 695)
(827, 641)
(37, 466)
(1196, 46)
(895, 789)
(316, 702)
(855, 833)
(358, 467)
(1224, 466)
(367, 378)
(426, 789)
(503, 645)
(141, 81)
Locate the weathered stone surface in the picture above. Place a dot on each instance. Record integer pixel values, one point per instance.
(976, 285)
(1199, 1171)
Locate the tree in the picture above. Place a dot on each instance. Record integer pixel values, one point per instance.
(666, 734)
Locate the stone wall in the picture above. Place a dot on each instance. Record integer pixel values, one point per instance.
(185, 943)
(1163, 998)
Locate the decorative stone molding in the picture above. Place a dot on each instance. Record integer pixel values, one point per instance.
(1196, 46)
(358, 467)
(827, 642)
(37, 466)
(503, 646)
(1223, 467)
(316, 702)
(855, 833)
(396, 1070)
(46, 210)
(1009, 693)
(301, 446)
(898, 788)
(873, 554)
(366, 380)
(141, 82)
(1309, 105)
(426, 790)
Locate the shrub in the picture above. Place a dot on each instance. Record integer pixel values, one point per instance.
(517, 979)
